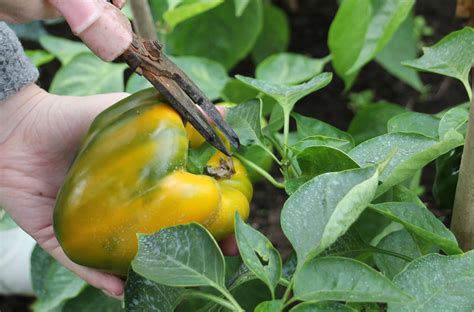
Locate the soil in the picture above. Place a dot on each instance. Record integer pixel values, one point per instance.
(309, 25)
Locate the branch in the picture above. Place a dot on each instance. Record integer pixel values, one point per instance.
(462, 223)
(142, 19)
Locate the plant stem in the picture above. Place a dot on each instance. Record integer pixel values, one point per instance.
(286, 130)
(216, 299)
(462, 223)
(228, 295)
(284, 282)
(261, 171)
(142, 19)
(389, 253)
(288, 290)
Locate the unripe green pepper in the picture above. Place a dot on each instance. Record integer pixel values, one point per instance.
(130, 177)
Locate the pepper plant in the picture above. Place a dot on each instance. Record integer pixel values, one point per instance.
(361, 237)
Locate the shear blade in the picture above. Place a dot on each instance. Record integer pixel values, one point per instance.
(185, 106)
(193, 91)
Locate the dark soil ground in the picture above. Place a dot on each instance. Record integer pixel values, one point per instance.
(309, 26)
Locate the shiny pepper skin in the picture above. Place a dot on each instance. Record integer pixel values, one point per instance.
(130, 177)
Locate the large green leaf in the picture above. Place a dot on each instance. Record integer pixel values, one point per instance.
(287, 96)
(400, 242)
(402, 47)
(438, 283)
(289, 68)
(86, 74)
(245, 120)
(308, 127)
(346, 36)
(324, 306)
(454, 118)
(65, 50)
(275, 33)
(218, 34)
(53, 284)
(315, 215)
(360, 30)
(408, 153)
(184, 255)
(210, 76)
(316, 160)
(92, 299)
(142, 294)
(387, 15)
(344, 279)
(413, 122)
(376, 115)
(258, 254)
(421, 222)
(187, 10)
(452, 56)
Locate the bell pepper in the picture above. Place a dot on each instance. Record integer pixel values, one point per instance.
(130, 177)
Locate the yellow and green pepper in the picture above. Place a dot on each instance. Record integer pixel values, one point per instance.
(130, 177)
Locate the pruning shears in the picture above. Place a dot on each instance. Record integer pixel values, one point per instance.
(146, 58)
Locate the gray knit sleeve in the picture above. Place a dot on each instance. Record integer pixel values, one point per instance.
(16, 70)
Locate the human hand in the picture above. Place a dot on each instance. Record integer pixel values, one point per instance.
(100, 25)
(39, 135)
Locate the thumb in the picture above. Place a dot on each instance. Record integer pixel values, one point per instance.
(100, 25)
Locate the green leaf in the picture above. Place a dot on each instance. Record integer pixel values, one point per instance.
(413, 122)
(86, 74)
(251, 293)
(344, 279)
(258, 254)
(240, 6)
(226, 45)
(360, 30)
(6, 222)
(324, 306)
(137, 83)
(236, 91)
(376, 115)
(65, 50)
(210, 76)
(289, 68)
(410, 153)
(454, 118)
(402, 47)
(92, 299)
(321, 140)
(314, 216)
(142, 294)
(316, 160)
(275, 33)
(270, 306)
(245, 120)
(181, 256)
(183, 12)
(438, 283)
(421, 222)
(400, 242)
(346, 36)
(287, 96)
(52, 283)
(386, 18)
(39, 57)
(452, 57)
(308, 127)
